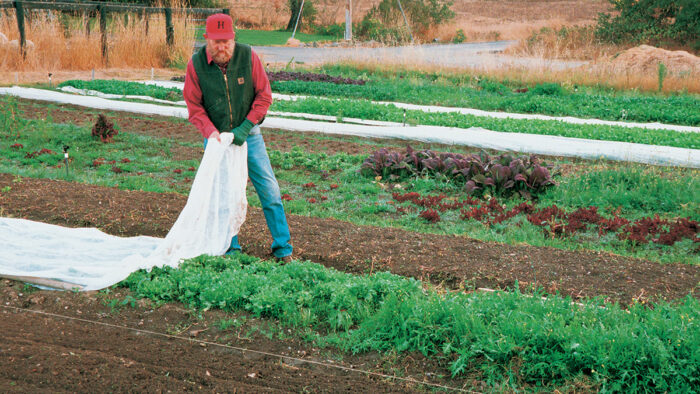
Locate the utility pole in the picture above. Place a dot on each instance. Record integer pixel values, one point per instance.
(348, 21)
(298, 16)
(406, 20)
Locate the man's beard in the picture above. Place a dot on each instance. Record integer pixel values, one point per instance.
(222, 57)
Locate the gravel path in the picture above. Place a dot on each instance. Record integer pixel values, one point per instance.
(481, 54)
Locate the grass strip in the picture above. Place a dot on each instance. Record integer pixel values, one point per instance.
(262, 37)
(506, 337)
(131, 162)
(137, 162)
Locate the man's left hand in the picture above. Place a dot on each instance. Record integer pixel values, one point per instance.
(240, 133)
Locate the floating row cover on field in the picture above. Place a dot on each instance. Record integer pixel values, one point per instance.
(95, 260)
(479, 112)
(477, 137)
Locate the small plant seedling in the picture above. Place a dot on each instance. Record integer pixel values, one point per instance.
(104, 129)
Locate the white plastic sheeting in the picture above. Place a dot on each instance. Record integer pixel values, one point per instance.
(531, 143)
(215, 211)
(94, 102)
(86, 92)
(478, 112)
(477, 137)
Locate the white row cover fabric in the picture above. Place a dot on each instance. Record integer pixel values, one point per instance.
(476, 137)
(86, 92)
(530, 143)
(215, 210)
(490, 114)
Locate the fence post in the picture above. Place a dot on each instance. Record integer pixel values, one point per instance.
(103, 30)
(146, 17)
(169, 30)
(19, 11)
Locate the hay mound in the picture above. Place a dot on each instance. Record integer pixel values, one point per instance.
(646, 59)
(293, 42)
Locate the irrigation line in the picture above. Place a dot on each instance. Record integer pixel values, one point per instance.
(280, 356)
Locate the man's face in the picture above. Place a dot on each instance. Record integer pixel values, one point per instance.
(220, 50)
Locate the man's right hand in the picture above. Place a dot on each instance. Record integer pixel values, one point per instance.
(216, 135)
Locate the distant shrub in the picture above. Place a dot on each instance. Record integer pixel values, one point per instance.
(335, 30)
(459, 37)
(651, 21)
(548, 89)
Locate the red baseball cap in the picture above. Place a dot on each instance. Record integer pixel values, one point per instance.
(219, 27)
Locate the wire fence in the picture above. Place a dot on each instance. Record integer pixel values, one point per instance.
(102, 11)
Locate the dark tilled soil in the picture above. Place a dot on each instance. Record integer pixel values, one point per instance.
(81, 356)
(66, 342)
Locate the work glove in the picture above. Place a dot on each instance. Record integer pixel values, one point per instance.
(240, 133)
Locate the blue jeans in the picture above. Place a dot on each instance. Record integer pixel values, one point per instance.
(263, 179)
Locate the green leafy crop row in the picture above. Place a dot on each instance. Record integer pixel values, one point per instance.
(366, 110)
(495, 96)
(114, 86)
(548, 99)
(502, 334)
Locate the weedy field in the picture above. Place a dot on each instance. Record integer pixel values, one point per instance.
(595, 263)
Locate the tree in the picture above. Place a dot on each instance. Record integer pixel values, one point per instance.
(308, 14)
(649, 21)
(385, 20)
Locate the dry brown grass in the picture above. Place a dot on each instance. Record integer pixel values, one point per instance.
(55, 47)
(541, 71)
(563, 42)
(29, 77)
(516, 19)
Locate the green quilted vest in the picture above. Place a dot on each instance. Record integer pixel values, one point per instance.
(226, 98)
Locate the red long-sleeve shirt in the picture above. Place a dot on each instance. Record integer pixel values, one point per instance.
(193, 96)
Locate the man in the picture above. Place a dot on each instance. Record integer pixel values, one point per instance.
(227, 90)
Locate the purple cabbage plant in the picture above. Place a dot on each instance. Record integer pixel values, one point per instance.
(479, 173)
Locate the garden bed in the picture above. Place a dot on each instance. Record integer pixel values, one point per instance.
(462, 261)
(446, 261)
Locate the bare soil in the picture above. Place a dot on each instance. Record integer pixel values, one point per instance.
(77, 342)
(47, 352)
